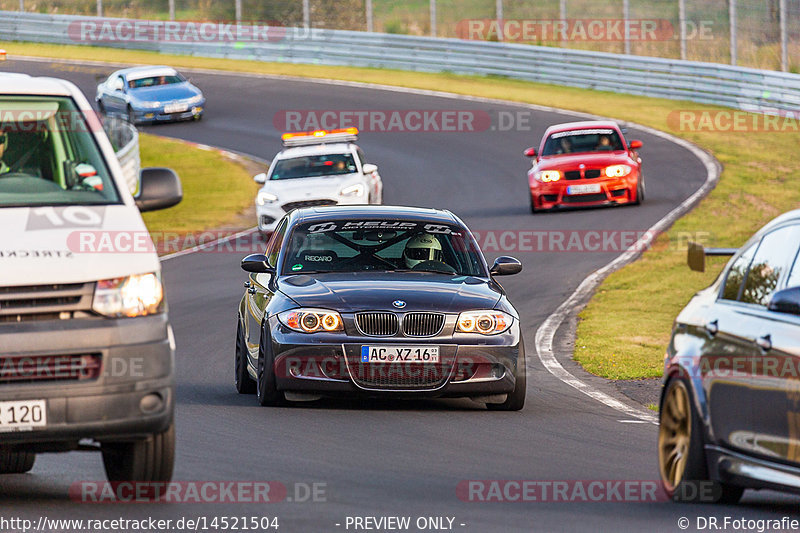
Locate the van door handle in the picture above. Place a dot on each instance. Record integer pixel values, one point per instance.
(765, 342)
(251, 290)
(712, 327)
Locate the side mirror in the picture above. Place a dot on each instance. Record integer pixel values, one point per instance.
(159, 188)
(256, 263)
(530, 152)
(635, 145)
(261, 179)
(696, 255)
(369, 168)
(786, 301)
(505, 266)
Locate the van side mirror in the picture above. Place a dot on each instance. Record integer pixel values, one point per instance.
(786, 301)
(261, 179)
(505, 266)
(369, 168)
(159, 188)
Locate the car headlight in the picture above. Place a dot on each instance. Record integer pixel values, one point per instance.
(547, 176)
(353, 190)
(311, 320)
(618, 171)
(137, 295)
(484, 322)
(265, 197)
(195, 99)
(150, 105)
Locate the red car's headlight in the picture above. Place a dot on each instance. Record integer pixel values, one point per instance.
(618, 171)
(547, 176)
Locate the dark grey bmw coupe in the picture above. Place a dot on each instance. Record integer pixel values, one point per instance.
(378, 301)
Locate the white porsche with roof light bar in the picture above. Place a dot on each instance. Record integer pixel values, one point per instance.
(316, 168)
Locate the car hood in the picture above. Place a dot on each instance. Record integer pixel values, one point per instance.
(591, 160)
(352, 292)
(173, 91)
(316, 187)
(41, 246)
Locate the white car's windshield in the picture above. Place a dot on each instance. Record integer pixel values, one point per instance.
(314, 166)
(48, 154)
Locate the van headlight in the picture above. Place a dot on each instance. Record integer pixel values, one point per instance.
(138, 295)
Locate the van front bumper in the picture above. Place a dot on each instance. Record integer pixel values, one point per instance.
(130, 397)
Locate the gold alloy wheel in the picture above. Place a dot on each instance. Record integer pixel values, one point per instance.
(674, 435)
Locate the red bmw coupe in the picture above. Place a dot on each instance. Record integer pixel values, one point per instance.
(584, 164)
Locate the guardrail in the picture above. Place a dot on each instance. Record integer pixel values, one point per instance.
(738, 87)
(125, 139)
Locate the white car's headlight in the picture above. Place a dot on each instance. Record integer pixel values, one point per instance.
(137, 295)
(311, 320)
(265, 197)
(195, 99)
(353, 190)
(484, 322)
(618, 171)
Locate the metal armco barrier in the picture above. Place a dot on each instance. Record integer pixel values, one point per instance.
(737, 87)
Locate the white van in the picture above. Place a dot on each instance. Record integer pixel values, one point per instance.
(86, 349)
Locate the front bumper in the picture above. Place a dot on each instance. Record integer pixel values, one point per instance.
(326, 364)
(612, 191)
(131, 397)
(269, 215)
(158, 114)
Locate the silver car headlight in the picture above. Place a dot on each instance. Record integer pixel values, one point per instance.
(265, 198)
(484, 322)
(131, 296)
(195, 99)
(151, 105)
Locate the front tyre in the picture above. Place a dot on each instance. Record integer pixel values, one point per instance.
(16, 462)
(516, 398)
(149, 460)
(244, 383)
(681, 451)
(267, 389)
(639, 192)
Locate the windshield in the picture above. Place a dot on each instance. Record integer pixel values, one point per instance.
(314, 166)
(382, 245)
(155, 80)
(48, 154)
(578, 141)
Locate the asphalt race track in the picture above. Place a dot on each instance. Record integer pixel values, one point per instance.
(395, 459)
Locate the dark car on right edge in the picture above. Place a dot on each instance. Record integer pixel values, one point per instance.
(730, 403)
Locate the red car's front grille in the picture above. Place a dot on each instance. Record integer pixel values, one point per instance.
(582, 198)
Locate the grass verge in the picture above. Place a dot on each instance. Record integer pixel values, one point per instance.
(216, 191)
(625, 328)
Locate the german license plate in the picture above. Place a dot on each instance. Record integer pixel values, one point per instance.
(399, 354)
(589, 188)
(175, 108)
(22, 415)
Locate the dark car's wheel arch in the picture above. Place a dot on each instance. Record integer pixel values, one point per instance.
(266, 384)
